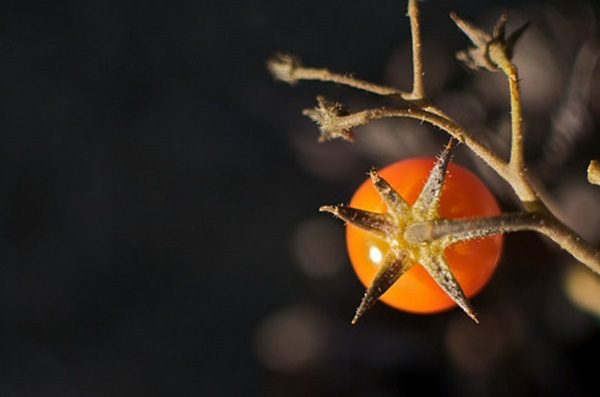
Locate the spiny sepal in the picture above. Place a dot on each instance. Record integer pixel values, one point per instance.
(440, 271)
(427, 203)
(391, 269)
(395, 203)
(370, 221)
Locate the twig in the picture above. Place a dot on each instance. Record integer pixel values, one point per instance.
(329, 123)
(289, 69)
(453, 230)
(418, 91)
(490, 52)
(498, 55)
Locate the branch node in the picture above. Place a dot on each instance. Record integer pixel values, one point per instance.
(328, 115)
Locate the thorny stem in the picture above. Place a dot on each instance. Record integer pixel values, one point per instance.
(554, 229)
(417, 95)
(549, 225)
(542, 222)
(460, 229)
(490, 52)
(326, 75)
(516, 178)
(289, 69)
(443, 123)
(570, 241)
(516, 154)
(418, 91)
(498, 55)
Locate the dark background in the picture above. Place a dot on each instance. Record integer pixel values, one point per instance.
(158, 196)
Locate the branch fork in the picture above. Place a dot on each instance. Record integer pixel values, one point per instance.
(491, 52)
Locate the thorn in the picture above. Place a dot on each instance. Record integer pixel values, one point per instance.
(452, 142)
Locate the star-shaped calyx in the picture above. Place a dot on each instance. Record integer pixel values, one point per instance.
(407, 230)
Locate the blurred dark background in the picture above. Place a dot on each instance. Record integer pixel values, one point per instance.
(159, 232)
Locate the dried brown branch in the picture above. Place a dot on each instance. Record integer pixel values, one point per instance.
(288, 68)
(492, 52)
(418, 91)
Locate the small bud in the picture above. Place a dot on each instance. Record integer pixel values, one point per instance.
(283, 66)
